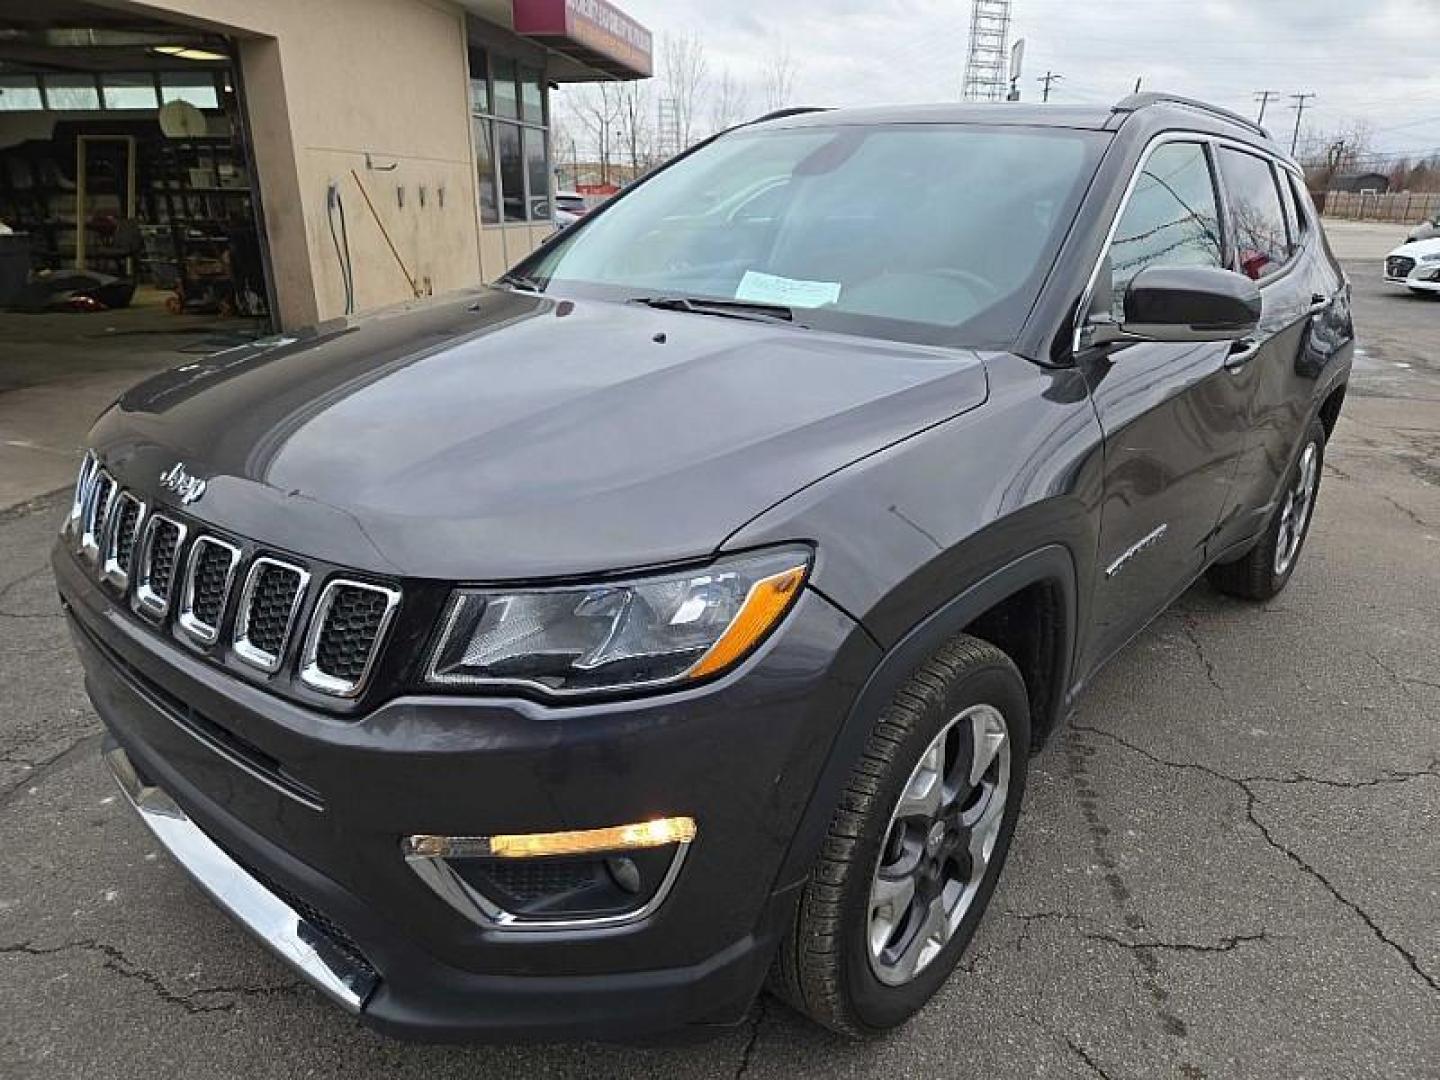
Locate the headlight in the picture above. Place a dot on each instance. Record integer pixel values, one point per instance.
(613, 636)
(1430, 258)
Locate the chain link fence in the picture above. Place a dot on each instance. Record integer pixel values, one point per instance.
(1403, 207)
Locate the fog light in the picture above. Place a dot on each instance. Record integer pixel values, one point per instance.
(579, 878)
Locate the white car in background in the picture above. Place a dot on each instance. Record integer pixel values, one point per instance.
(570, 207)
(1416, 266)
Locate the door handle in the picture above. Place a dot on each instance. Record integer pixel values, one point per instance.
(1241, 353)
(1318, 303)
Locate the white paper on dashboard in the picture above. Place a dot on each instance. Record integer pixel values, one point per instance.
(758, 288)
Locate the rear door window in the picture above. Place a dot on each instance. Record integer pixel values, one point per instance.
(1172, 218)
(1257, 216)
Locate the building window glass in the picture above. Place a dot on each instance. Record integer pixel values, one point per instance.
(532, 97)
(485, 172)
(198, 90)
(129, 91)
(507, 104)
(19, 93)
(537, 174)
(512, 171)
(512, 142)
(71, 92)
(479, 82)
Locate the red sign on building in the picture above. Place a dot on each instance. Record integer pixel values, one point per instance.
(595, 33)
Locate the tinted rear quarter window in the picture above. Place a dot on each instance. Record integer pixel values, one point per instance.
(1256, 215)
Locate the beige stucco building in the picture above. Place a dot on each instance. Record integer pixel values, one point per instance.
(392, 148)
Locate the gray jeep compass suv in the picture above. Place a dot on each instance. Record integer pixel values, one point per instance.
(568, 658)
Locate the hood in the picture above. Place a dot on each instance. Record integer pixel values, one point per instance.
(1415, 248)
(507, 435)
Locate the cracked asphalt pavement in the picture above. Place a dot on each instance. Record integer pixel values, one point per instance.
(1229, 864)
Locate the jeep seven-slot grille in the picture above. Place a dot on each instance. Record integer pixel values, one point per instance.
(167, 570)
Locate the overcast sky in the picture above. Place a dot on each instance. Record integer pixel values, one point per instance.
(1376, 60)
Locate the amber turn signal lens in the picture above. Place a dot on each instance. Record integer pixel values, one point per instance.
(645, 834)
(768, 599)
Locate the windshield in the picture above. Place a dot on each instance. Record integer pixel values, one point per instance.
(924, 232)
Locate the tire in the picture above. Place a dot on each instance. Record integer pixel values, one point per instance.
(1267, 568)
(826, 967)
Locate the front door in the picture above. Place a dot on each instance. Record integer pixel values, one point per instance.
(1173, 415)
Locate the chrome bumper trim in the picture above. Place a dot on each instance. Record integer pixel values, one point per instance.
(275, 923)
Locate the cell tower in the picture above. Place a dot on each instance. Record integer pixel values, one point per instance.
(989, 56)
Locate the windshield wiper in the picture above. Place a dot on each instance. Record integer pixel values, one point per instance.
(726, 309)
(520, 281)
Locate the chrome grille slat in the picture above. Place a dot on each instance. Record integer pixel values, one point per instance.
(97, 514)
(269, 604)
(209, 572)
(164, 537)
(78, 501)
(346, 634)
(129, 517)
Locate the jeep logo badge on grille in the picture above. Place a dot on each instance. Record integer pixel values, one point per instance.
(176, 479)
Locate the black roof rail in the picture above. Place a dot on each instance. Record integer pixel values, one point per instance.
(794, 110)
(1136, 102)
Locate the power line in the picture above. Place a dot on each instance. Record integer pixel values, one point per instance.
(1299, 108)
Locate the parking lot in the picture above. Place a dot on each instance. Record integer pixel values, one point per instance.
(1229, 863)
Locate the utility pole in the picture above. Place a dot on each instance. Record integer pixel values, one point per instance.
(1264, 97)
(1048, 78)
(1299, 108)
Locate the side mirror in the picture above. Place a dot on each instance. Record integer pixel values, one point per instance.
(1184, 304)
(1190, 303)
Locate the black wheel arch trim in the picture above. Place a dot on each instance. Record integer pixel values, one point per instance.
(1052, 565)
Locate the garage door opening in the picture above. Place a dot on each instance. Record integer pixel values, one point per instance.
(131, 238)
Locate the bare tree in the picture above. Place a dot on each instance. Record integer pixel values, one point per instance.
(729, 101)
(777, 79)
(685, 65)
(635, 127)
(597, 107)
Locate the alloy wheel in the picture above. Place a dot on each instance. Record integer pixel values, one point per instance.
(938, 844)
(1295, 509)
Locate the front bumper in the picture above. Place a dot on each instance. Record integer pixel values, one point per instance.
(302, 943)
(292, 819)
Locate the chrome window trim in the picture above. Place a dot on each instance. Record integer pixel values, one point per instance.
(82, 492)
(203, 632)
(111, 570)
(147, 600)
(1213, 143)
(478, 908)
(245, 649)
(310, 673)
(92, 533)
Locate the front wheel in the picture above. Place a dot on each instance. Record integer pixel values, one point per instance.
(1267, 568)
(916, 846)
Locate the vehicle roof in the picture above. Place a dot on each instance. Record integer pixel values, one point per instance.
(1152, 112)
